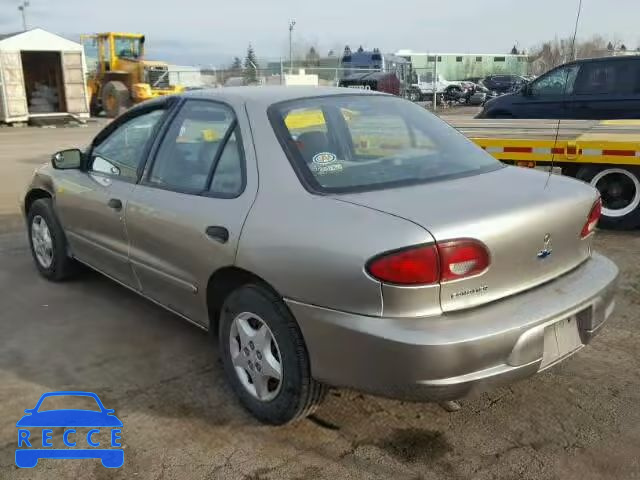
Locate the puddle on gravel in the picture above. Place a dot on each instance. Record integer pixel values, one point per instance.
(413, 444)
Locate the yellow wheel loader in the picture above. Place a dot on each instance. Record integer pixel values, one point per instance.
(118, 75)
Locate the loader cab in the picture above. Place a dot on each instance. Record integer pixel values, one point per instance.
(106, 52)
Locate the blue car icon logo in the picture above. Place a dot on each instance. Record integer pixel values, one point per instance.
(98, 421)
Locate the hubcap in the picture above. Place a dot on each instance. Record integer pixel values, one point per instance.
(41, 241)
(620, 191)
(255, 356)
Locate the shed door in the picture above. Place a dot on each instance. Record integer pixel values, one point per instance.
(74, 85)
(15, 96)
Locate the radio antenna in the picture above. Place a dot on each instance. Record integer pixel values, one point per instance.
(564, 90)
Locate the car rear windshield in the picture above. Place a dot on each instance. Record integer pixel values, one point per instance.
(349, 143)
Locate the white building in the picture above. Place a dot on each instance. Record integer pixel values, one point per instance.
(41, 74)
(187, 76)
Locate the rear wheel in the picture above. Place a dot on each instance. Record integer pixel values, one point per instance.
(116, 98)
(265, 358)
(620, 192)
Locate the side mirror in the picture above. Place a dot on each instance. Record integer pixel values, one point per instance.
(67, 159)
(526, 89)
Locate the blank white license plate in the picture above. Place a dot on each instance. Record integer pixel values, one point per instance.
(560, 339)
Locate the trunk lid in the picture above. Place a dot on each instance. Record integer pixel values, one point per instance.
(530, 224)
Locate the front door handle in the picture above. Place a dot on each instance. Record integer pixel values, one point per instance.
(217, 233)
(115, 203)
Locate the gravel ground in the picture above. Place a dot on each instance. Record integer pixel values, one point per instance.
(578, 420)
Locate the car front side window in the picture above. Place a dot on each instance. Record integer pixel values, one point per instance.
(121, 152)
(558, 82)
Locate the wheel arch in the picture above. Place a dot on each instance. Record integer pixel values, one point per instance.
(33, 195)
(224, 281)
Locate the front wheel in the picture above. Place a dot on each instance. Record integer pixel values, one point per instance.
(620, 192)
(48, 242)
(265, 358)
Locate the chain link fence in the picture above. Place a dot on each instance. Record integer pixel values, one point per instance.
(215, 78)
(415, 84)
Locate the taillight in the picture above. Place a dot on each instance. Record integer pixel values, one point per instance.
(462, 258)
(428, 264)
(413, 266)
(592, 219)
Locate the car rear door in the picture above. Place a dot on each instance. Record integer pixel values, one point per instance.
(185, 216)
(91, 202)
(607, 89)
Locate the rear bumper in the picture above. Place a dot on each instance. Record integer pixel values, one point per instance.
(455, 354)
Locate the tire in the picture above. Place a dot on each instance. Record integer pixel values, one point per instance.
(116, 98)
(61, 265)
(296, 394)
(619, 189)
(94, 107)
(415, 95)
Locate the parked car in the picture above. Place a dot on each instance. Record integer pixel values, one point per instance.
(360, 250)
(477, 94)
(423, 89)
(598, 89)
(503, 83)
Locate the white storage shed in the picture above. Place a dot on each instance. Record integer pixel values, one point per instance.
(41, 74)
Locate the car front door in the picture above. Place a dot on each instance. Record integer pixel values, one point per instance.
(607, 90)
(185, 216)
(546, 97)
(91, 202)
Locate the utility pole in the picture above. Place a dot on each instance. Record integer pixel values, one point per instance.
(435, 81)
(281, 72)
(23, 10)
(292, 24)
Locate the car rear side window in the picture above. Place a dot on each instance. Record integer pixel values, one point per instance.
(617, 77)
(200, 152)
(347, 143)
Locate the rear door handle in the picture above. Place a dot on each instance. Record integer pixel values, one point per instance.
(115, 203)
(217, 233)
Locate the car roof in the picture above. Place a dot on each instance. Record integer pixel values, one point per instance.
(619, 58)
(272, 94)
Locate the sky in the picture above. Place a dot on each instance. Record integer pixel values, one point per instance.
(211, 32)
